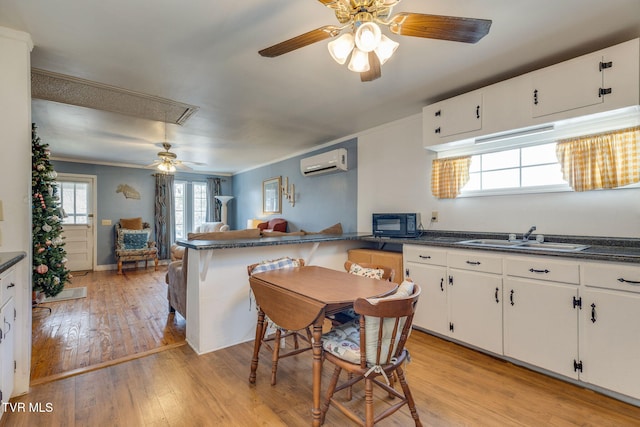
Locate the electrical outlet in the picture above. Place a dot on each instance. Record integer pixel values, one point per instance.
(434, 216)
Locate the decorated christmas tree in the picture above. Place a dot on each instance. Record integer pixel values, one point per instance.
(49, 256)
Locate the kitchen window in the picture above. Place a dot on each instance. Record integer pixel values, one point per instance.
(517, 170)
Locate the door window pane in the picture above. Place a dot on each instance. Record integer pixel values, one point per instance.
(74, 201)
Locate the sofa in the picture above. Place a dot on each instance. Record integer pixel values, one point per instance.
(177, 271)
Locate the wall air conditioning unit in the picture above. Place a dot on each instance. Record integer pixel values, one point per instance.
(331, 161)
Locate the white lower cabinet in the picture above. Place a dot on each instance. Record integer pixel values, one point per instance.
(7, 343)
(576, 318)
(427, 267)
(475, 309)
(541, 324)
(610, 328)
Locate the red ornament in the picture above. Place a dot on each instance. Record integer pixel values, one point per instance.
(42, 269)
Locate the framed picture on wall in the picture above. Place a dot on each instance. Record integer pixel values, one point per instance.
(271, 195)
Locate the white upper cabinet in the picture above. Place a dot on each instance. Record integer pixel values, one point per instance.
(601, 81)
(454, 116)
(567, 86)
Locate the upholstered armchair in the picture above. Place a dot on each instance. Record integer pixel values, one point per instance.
(133, 243)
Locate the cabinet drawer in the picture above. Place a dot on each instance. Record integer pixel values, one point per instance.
(475, 261)
(7, 285)
(543, 269)
(612, 276)
(424, 255)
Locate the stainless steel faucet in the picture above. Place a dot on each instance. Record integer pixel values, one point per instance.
(526, 235)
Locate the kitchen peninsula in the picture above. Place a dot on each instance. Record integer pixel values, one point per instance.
(221, 310)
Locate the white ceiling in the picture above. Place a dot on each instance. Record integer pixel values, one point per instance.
(254, 110)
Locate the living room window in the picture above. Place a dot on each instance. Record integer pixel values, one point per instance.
(190, 206)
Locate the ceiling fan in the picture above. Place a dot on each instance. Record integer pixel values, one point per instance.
(364, 41)
(167, 161)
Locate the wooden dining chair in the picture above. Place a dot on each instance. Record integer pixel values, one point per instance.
(276, 350)
(374, 353)
(362, 268)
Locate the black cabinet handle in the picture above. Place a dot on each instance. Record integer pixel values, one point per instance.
(442, 284)
(533, 270)
(535, 97)
(11, 285)
(593, 313)
(473, 262)
(511, 297)
(424, 256)
(438, 113)
(477, 112)
(497, 290)
(631, 282)
(437, 130)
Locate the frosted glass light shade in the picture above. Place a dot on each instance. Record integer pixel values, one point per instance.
(341, 47)
(359, 61)
(386, 48)
(368, 36)
(167, 167)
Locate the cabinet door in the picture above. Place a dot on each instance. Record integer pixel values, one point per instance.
(541, 324)
(475, 309)
(567, 86)
(610, 340)
(431, 313)
(7, 344)
(454, 116)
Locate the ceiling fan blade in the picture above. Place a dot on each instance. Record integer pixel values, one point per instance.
(180, 164)
(374, 69)
(156, 163)
(467, 30)
(302, 40)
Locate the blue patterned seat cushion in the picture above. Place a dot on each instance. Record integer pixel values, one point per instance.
(133, 239)
(344, 341)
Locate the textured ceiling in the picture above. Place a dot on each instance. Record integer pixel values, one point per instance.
(253, 110)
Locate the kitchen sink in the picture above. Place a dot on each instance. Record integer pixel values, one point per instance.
(553, 246)
(499, 243)
(548, 246)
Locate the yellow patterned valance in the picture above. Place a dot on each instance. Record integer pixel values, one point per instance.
(448, 176)
(605, 160)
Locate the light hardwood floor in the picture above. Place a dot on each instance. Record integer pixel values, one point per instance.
(123, 316)
(452, 385)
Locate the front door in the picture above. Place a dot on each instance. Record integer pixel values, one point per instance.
(76, 199)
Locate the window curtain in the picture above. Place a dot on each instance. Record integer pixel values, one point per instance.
(605, 160)
(448, 176)
(164, 214)
(214, 206)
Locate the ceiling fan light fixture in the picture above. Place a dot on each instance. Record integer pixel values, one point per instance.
(340, 48)
(386, 48)
(368, 36)
(359, 61)
(167, 167)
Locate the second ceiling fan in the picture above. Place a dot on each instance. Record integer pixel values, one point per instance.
(364, 41)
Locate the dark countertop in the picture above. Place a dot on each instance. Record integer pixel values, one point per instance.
(267, 241)
(9, 259)
(600, 248)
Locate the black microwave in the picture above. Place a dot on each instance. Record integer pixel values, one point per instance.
(396, 224)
